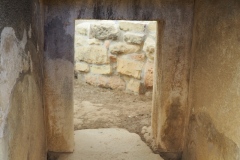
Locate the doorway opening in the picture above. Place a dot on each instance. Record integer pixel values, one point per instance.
(114, 67)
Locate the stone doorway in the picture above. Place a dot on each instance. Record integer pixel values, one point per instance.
(114, 66)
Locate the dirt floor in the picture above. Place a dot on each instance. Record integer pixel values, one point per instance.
(96, 107)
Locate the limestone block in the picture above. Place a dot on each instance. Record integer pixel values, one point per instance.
(91, 54)
(80, 40)
(129, 67)
(81, 66)
(152, 26)
(104, 31)
(102, 69)
(116, 82)
(123, 48)
(132, 26)
(135, 38)
(134, 85)
(91, 79)
(150, 48)
(148, 74)
(82, 28)
(137, 57)
(94, 41)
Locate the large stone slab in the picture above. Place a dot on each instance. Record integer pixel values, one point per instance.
(130, 67)
(104, 31)
(91, 54)
(123, 48)
(132, 26)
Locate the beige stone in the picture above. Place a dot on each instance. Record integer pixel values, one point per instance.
(101, 69)
(92, 54)
(134, 85)
(104, 31)
(123, 48)
(80, 40)
(150, 48)
(135, 38)
(102, 81)
(129, 67)
(81, 66)
(137, 57)
(82, 28)
(148, 75)
(115, 82)
(91, 79)
(132, 26)
(152, 26)
(94, 41)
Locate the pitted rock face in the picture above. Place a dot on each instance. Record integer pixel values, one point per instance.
(104, 31)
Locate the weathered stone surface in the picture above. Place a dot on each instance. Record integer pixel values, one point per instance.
(137, 57)
(104, 31)
(82, 28)
(101, 69)
(92, 54)
(94, 41)
(80, 40)
(132, 26)
(134, 85)
(81, 66)
(91, 79)
(123, 48)
(135, 38)
(115, 82)
(129, 67)
(152, 26)
(148, 75)
(150, 48)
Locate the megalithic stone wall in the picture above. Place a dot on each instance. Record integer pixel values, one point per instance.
(116, 54)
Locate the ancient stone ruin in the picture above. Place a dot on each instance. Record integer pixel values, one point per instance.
(195, 109)
(116, 54)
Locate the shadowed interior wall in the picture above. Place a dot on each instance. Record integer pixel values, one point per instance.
(60, 15)
(213, 131)
(22, 128)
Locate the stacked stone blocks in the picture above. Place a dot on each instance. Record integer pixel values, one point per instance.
(116, 54)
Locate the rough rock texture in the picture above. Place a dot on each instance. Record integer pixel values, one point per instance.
(102, 41)
(82, 67)
(134, 38)
(148, 79)
(129, 26)
(213, 131)
(123, 48)
(21, 99)
(150, 48)
(129, 67)
(103, 69)
(134, 85)
(92, 54)
(104, 31)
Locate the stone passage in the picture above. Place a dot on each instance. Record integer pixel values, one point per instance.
(116, 54)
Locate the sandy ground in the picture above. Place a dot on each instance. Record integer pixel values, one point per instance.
(104, 108)
(108, 144)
